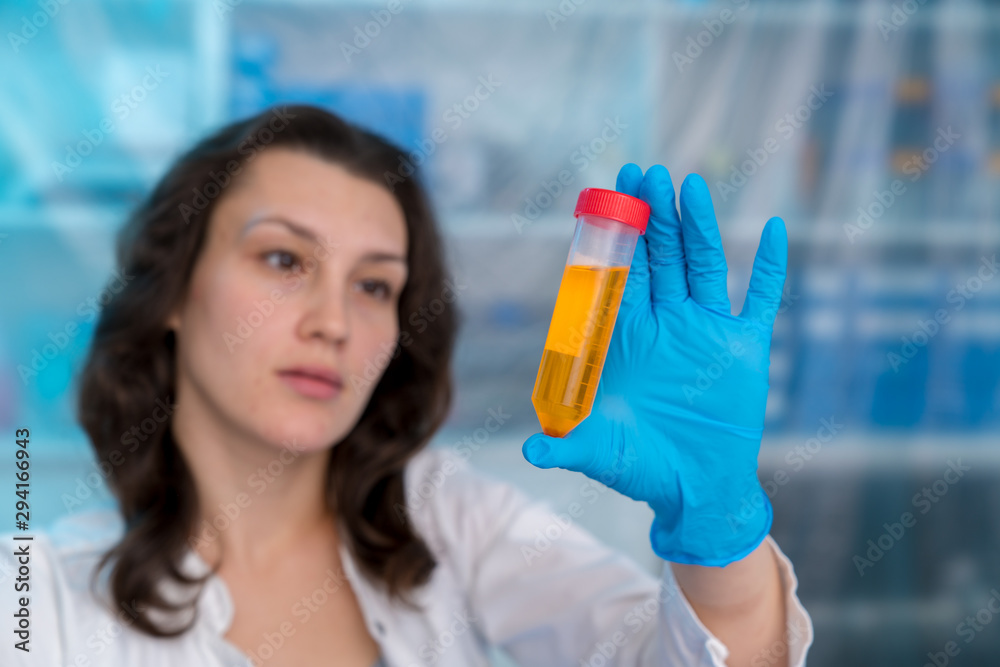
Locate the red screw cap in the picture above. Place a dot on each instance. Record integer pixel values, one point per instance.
(614, 205)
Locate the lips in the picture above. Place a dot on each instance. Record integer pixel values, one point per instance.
(316, 372)
(313, 381)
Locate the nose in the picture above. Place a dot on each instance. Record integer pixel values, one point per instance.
(326, 313)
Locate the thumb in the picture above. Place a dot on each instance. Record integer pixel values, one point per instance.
(571, 452)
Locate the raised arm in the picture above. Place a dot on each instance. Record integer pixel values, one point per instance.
(544, 589)
(679, 412)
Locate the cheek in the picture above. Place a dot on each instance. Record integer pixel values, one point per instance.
(374, 335)
(233, 317)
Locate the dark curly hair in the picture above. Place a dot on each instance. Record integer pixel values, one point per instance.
(130, 368)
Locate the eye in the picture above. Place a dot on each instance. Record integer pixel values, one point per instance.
(287, 261)
(379, 288)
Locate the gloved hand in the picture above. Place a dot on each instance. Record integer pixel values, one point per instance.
(679, 411)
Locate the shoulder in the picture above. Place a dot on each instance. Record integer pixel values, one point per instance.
(442, 480)
(47, 579)
(69, 548)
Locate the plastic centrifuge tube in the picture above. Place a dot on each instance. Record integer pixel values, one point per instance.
(608, 223)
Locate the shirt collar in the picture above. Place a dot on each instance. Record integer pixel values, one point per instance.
(214, 605)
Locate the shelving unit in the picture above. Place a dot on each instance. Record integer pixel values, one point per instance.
(852, 302)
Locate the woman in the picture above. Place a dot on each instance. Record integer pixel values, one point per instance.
(262, 395)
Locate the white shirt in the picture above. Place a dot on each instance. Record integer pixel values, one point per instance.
(511, 573)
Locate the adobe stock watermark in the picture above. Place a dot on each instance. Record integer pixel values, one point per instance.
(131, 438)
(778, 650)
(562, 12)
(796, 458)
(122, 107)
(105, 636)
(363, 35)
(898, 17)
(925, 331)
(579, 333)
(463, 449)
(696, 44)
(223, 7)
(639, 616)
(453, 116)
(786, 127)
(968, 629)
(433, 649)
(581, 158)
(914, 167)
(750, 332)
(419, 319)
(924, 501)
(263, 309)
(258, 481)
(38, 21)
(88, 310)
(591, 490)
(249, 148)
(303, 610)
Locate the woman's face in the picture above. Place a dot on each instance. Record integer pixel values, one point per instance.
(299, 278)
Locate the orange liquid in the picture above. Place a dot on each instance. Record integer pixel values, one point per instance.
(577, 343)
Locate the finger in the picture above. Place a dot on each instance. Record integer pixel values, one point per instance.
(629, 179)
(706, 263)
(569, 452)
(664, 240)
(636, 294)
(767, 280)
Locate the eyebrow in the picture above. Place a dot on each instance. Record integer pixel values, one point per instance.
(299, 230)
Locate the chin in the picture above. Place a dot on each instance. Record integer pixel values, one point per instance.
(306, 430)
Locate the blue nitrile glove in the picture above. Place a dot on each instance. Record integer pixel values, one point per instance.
(679, 412)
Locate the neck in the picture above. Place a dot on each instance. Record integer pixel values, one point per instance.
(256, 500)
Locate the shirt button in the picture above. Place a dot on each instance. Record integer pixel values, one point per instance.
(379, 628)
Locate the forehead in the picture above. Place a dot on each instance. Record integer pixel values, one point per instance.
(317, 194)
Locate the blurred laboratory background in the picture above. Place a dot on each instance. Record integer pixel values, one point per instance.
(871, 127)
